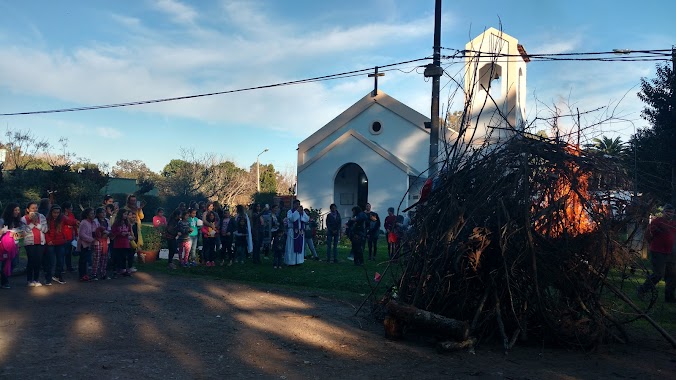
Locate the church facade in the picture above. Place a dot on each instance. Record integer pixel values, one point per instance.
(373, 153)
(377, 150)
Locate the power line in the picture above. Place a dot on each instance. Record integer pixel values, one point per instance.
(611, 56)
(614, 52)
(162, 100)
(647, 55)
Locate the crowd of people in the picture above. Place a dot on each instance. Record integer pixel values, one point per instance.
(206, 234)
(106, 240)
(51, 234)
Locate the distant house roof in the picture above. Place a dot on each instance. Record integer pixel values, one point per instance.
(124, 186)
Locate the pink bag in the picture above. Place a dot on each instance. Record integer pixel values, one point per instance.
(8, 250)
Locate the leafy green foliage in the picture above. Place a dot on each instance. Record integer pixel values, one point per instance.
(612, 147)
(654, 146)
(152, 239)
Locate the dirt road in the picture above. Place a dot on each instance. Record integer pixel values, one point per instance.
(159, 326)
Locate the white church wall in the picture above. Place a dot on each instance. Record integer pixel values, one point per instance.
(387, 183)
(398, 136)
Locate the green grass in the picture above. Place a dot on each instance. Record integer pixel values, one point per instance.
(342, 279)
(661, 312)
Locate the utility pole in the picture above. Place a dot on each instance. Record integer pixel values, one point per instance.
(258, 171)
(435, 72)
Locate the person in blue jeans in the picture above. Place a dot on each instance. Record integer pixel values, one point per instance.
(333, 227)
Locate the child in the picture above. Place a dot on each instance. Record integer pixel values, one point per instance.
(159, 220)
(310, 232)
(278, 247)
(85, 242)
(56, 245)
(170, 234)
(34, 226)
(121, 233)
(184, 241)
(390, 221)
(194, 236)
(71, 235)
(100, 257)
(209, 230)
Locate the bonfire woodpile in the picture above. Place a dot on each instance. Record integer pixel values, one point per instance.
(512, 245)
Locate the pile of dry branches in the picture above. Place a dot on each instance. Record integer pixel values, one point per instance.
(512, 241)
(521, 237)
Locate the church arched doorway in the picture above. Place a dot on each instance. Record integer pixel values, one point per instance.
(350, 188)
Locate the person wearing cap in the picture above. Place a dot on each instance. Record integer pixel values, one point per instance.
(661, 234)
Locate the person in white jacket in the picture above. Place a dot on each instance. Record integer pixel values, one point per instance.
(34, 226)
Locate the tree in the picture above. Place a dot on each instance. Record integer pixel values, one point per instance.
(268, 177)
(22, 150)
(657, 144)
(286, 181)
(612, 147)
(207, 176)
(132, 169)
(178, 178)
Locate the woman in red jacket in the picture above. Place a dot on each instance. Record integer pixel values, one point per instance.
(56, 245)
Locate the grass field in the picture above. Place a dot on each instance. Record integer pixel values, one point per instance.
(342, 278)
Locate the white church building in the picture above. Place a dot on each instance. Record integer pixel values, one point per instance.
(378, 149)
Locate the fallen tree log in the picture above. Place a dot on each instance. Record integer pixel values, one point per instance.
(411, 315)
(451, 346)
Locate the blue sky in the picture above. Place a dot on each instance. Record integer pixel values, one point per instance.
(59, 54)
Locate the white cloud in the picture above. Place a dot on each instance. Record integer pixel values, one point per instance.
(109, 133)
(178, 11)
(151, 65)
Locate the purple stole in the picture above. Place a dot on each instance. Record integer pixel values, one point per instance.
(298, 236)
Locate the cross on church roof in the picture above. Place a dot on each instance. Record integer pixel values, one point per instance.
(375, 76)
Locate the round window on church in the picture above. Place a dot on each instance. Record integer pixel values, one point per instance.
(376, 127)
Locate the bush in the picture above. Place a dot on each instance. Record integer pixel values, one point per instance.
(152, 238)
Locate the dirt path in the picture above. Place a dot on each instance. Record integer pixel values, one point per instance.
(173, 327)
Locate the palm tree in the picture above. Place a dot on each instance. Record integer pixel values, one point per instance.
(612, 147)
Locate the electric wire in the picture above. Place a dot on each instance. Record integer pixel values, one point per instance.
(162, 100)
(646, 55)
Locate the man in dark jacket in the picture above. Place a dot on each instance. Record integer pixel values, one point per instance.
(357, 234)
(333, 227)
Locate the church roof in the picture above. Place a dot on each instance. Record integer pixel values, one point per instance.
(369, 144)
(392, 104)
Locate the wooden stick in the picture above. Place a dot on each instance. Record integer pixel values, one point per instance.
(645, 316)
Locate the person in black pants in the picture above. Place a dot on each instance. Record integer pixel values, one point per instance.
(170, 235)
(228, 227)
(357, 234)
(373, 231)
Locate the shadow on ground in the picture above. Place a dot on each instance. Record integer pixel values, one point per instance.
(158, 326)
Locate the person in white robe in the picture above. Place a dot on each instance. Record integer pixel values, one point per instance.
(295, 240)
